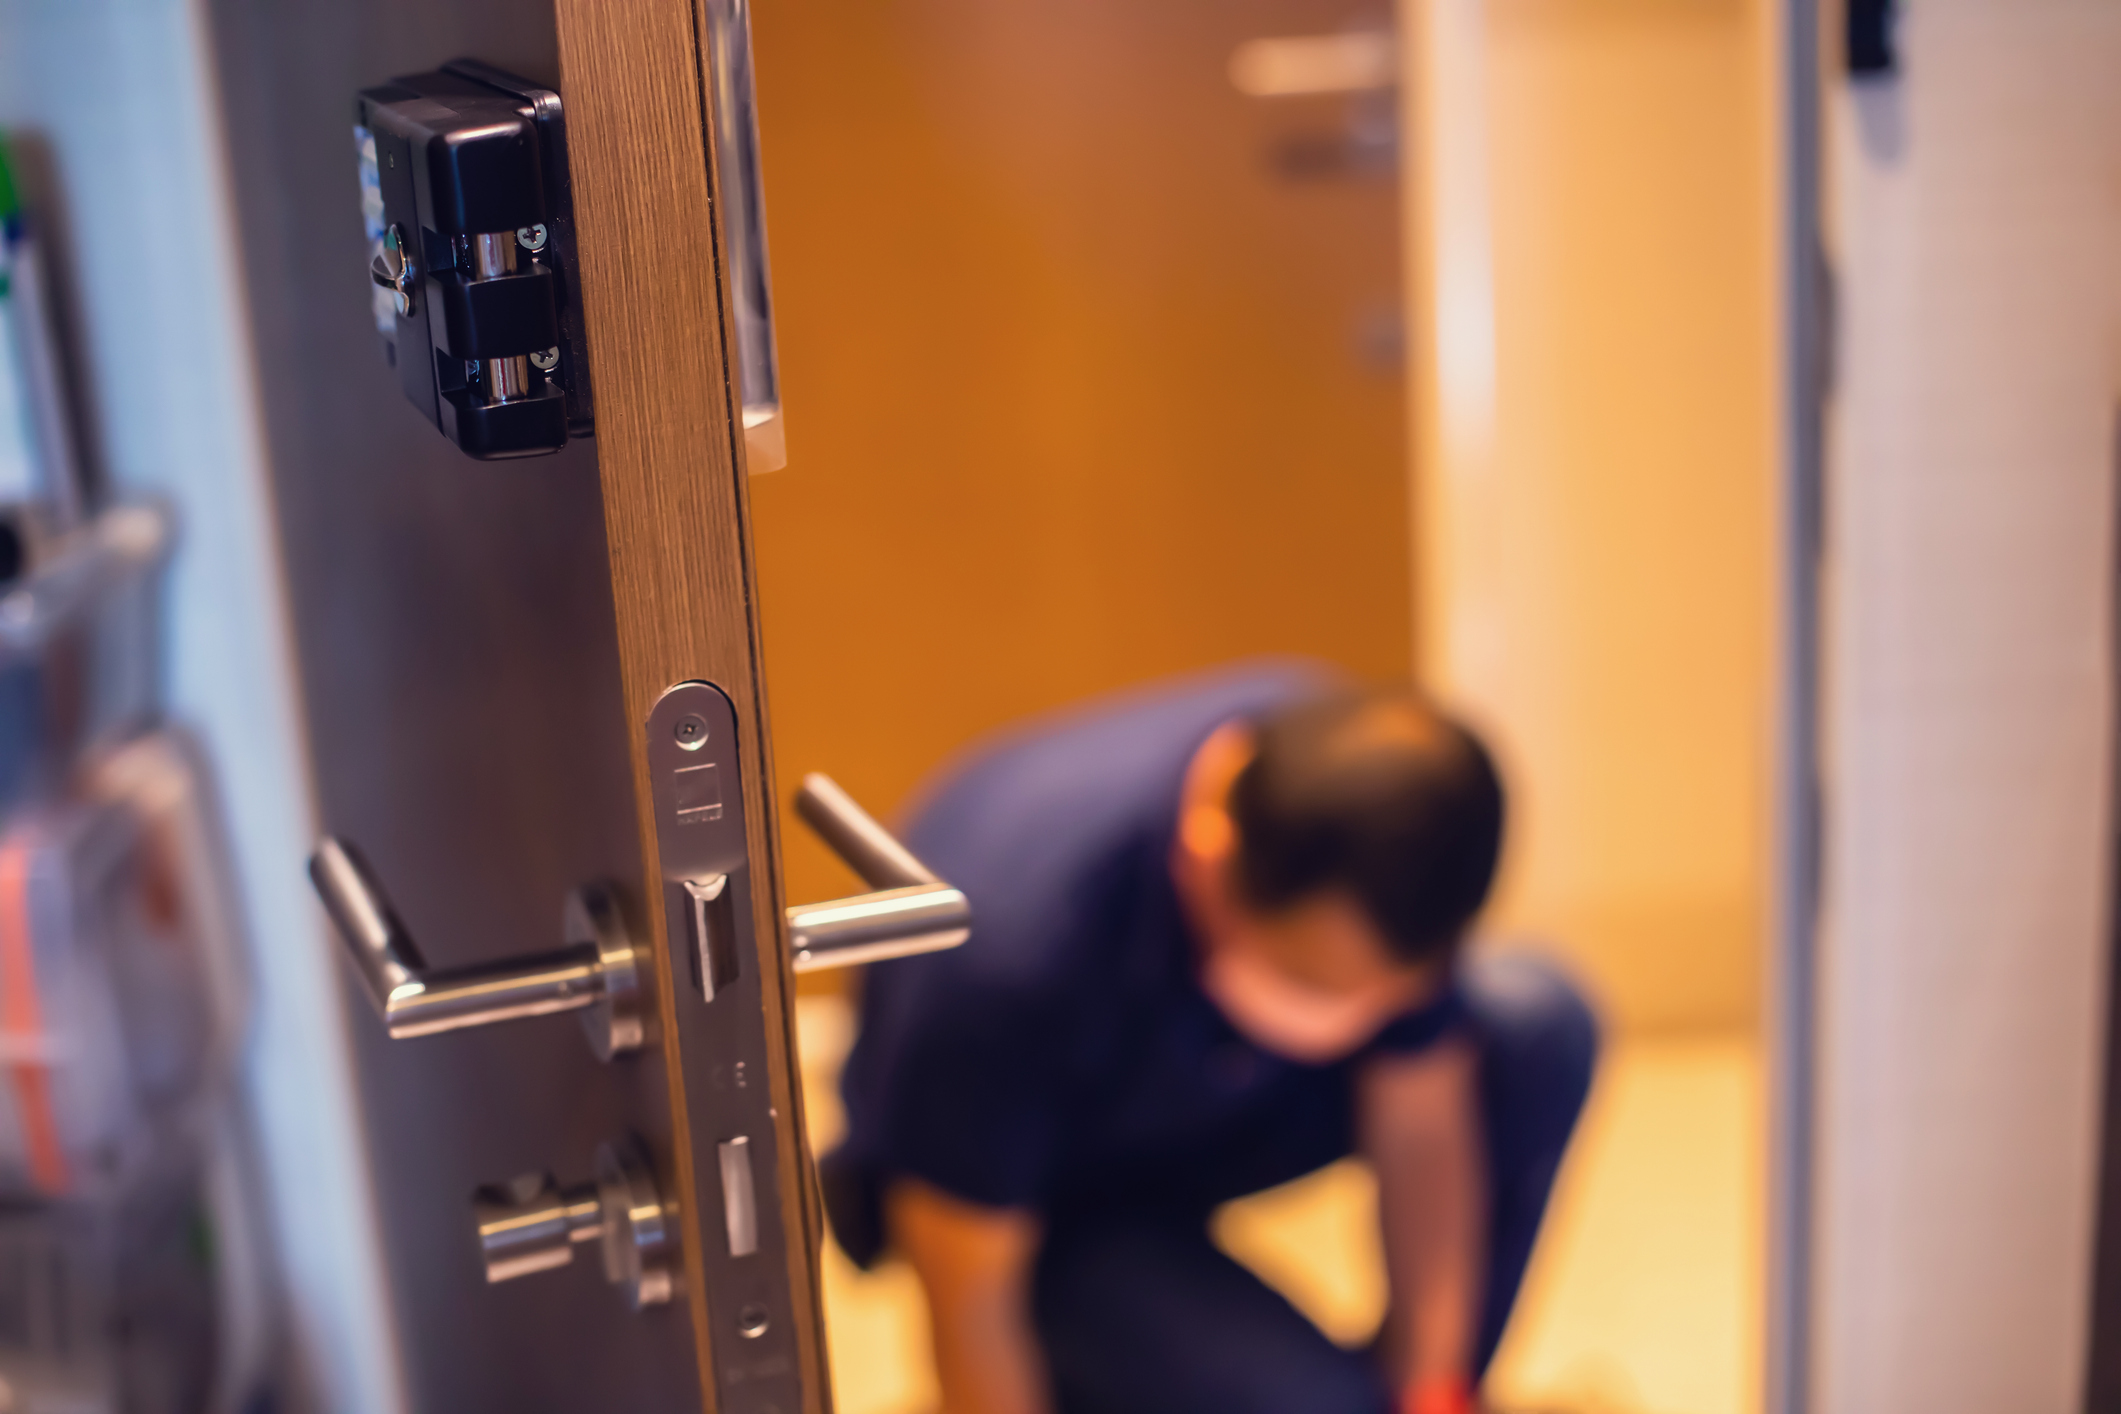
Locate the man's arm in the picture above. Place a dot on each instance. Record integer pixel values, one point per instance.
(1420, 1128)
(975, 1264)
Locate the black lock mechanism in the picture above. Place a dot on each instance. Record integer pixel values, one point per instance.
(472, 255)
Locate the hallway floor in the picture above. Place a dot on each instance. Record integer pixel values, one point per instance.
(1645, 1296)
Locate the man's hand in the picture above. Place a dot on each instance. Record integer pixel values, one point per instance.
(1450, 1396)
(1419, 1119)
(975, 1264)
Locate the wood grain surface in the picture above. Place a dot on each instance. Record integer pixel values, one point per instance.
(671, 461)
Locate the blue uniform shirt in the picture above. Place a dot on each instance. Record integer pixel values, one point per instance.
(1066, 1055)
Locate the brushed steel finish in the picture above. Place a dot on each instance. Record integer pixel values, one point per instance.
(864, 845)
(480, 996)
(507, 378)
(532, 1225)
(493, 255)
(878, 926)
(911, 911)
(713, 956)
(696, 767)
(598, 970)
(740, 1199)
(637, 1235)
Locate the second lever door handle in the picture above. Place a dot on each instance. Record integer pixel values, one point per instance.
(597, 972)
(911, 910)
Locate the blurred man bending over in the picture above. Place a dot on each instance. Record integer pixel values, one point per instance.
(1217, 945)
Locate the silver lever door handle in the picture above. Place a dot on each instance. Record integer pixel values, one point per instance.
(744, 206)
(911, 911)
(597, 972)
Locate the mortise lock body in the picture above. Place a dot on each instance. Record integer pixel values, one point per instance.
(472, 256)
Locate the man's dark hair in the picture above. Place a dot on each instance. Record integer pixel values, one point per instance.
(1378, 793)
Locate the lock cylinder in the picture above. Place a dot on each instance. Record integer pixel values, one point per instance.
(506, 378)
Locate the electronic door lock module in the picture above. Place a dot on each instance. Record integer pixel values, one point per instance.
(465, 192)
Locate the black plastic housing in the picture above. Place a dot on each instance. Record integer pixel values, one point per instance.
(494, 318)
(462, 152)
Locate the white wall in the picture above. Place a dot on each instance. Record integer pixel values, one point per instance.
(123, 92)
(1590, 295)
(1977, 228)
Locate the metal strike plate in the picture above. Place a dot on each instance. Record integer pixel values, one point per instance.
(704, 862)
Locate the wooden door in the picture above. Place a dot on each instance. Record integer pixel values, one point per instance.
(671, 459)
(488, 652)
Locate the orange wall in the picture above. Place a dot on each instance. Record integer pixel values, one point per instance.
(1073, 381)
(1605, 574)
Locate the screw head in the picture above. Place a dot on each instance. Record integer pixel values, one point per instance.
(690, 731)
(531, 238)
(545, 360)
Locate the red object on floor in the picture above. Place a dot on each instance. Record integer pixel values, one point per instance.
(1445, 1396)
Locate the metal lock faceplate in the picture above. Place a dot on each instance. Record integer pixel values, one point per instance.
(711, 942)
(471, 225)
